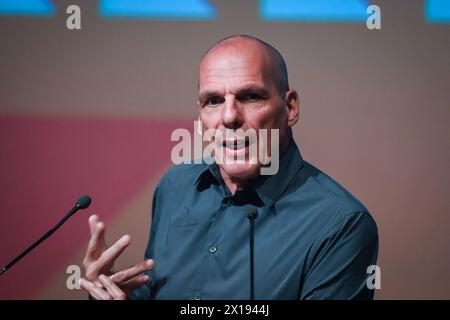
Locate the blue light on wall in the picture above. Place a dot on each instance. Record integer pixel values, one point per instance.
(437, 11)
(158, 9)
(326, 11)
(43, 8)
(314, 10)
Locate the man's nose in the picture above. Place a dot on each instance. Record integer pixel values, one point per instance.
(231, 116)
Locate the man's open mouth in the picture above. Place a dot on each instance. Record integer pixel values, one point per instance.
(236, 144)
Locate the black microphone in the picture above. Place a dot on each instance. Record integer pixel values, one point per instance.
(252, 214)
(82, 203)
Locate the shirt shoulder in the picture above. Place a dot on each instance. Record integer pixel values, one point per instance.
(327, 190)
(320, 199)
(180, 177)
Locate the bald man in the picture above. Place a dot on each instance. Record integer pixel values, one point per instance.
(310, 238)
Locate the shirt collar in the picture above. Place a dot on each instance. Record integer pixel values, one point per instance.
(270, 187)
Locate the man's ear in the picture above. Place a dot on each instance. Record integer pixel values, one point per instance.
(293, 107)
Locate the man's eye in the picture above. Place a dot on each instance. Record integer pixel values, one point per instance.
(214, 101)
(251, 97)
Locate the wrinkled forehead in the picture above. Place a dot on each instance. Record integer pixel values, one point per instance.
(237, 63)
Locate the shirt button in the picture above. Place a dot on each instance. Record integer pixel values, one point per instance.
(212, 249)
(230, 202)
(197, 297)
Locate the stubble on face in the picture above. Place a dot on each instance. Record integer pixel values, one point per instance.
(239, 88)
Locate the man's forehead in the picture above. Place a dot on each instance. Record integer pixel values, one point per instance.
(232, 62)
(233, 72)
(240, 51)
(232, 81)
(237, 58)
(233, 66)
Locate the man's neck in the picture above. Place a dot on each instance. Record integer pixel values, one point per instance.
(233, 183)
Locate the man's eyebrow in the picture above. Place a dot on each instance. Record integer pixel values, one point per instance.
(242, 90)
(207, 94)
(252, 88)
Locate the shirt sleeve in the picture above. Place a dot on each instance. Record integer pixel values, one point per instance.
(338, 262)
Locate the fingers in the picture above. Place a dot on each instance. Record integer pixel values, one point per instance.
(112, 288)
(94, 290)
(94, 222)
(134, 283)
(107, 258)
(93, 219)
(96, 244)
(129, 273)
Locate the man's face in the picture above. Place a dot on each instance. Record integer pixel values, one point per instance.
(238, 89)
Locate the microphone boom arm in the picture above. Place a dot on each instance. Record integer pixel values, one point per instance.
(82, 203)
